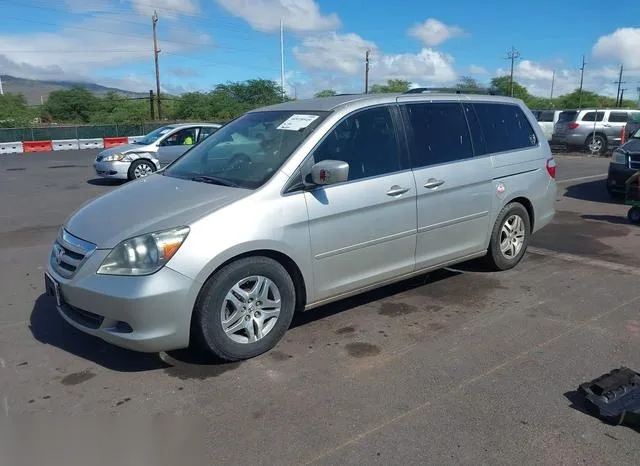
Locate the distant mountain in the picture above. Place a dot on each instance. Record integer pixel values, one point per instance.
(33, 89)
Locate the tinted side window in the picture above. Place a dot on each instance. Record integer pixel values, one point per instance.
(438, 133)
(591, 116)
(618, 117)
(477, 136)
(365, 140)
(546, 117)
(505, 127)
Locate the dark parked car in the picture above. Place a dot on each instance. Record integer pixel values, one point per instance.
(625, 161)
(632, 126)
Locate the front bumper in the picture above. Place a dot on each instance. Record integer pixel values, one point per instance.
(114, 170)
(617, 176)
(147, 314)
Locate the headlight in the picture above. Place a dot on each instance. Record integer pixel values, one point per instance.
(144, 254)
(619, 157)
(119, 157)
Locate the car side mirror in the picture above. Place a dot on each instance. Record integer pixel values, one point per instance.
(329, 172)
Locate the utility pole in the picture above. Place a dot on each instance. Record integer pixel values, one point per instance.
(512, 55)
(282, 59)
(156, 51)
(619, 82)
(366, 72)
(581, 81)
(621, 97)
(553, 81)
(151, 112)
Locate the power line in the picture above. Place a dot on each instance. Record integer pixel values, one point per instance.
(512, 55)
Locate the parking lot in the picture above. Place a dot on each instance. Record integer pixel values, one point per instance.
(461, 366)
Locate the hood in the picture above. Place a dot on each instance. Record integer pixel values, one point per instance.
(146, 205)
(124, 148)
(632, 146)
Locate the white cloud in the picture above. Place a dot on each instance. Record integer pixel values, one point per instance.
(335, 52)
(477, 69)
(78, 51)
(433, 32)
(297, 15)
(344, 53)
(622, 45)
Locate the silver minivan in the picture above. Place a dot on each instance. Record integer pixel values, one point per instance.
(341, 195)
(151, 152)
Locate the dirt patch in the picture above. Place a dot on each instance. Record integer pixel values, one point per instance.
(77, 378)
(362, 350)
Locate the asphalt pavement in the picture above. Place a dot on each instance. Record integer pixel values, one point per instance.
(458, 367)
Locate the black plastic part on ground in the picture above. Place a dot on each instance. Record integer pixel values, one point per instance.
(614, 397)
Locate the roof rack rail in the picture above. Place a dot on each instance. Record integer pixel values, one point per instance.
(455, 90)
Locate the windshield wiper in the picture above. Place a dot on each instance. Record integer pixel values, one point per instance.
(214, 180)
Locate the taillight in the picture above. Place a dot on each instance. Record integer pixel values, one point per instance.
(551, 167)
(573, 125)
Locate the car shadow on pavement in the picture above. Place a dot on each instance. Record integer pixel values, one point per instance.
(593, 191)
(105, 182)
(307, 317)
(616, 219)
(48, 327)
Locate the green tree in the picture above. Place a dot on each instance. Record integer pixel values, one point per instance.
(467, 82)
(325, 93)
(74, 105)
(503, 84)
(14, 111)
(393, 85)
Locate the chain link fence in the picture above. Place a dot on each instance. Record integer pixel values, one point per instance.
(52, 133)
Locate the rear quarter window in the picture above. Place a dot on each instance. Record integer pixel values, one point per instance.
(591, 116)
(505, 127)
(546, 117)
(569, 115)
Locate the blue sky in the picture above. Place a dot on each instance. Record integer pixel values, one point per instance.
(205, 42)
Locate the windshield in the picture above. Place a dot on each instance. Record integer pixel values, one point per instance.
(636, 135)
(567, 115)
(154, 135)
(247, 151)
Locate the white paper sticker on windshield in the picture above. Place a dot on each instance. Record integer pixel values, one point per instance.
(297, 122)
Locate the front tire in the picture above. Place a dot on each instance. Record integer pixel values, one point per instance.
(140, 169)
(244, 309)
(634, 215)
(509, 237)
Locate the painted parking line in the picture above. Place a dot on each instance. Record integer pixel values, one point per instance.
(591, 177)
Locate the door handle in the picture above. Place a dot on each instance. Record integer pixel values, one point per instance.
(433, 183)
(396, 190)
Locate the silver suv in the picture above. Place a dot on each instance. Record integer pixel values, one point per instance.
(342, 195)
(591, 129)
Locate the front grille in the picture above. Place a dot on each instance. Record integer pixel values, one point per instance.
(82, 317)
(634, 162)
(68, 253)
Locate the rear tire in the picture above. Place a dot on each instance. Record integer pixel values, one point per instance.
(244, 309)
(509, 237)
(596, 144)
